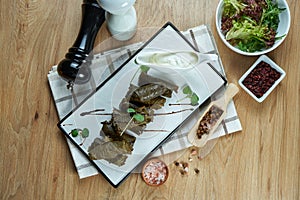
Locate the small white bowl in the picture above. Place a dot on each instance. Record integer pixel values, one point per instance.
(283, 29)
(274, 66)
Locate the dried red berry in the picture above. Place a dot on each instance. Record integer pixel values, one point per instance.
(261, 79)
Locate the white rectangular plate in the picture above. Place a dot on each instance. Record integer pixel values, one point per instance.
(203, 80)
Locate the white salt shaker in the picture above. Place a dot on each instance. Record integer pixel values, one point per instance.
(120, 18)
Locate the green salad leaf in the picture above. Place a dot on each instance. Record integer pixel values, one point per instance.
(251, 25)
(232, 7)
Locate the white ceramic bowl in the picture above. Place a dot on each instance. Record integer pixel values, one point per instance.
(283, 29)
(266, 59)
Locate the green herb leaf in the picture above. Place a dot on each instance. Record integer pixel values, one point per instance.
(139, 117)
(74, 132)
(190, 94)
(130, 110)
(194, 99)
(187, 90)
(85, 133)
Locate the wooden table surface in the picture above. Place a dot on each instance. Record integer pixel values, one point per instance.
(260, 162)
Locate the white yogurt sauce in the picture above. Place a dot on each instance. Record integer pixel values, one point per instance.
(178, 59)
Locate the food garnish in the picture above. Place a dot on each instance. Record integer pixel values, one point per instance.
(84, 133)
(191, 95)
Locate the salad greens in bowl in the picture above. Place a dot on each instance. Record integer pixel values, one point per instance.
(252, 27)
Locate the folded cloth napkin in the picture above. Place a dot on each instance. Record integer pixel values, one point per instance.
(65, 99)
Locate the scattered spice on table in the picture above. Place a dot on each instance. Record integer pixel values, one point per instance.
(196, 170)
(183, 166)
(261, 79)
(194, 152)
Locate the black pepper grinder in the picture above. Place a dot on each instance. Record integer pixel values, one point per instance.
(77, 60)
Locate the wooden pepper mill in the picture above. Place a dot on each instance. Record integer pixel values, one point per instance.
(76, 62)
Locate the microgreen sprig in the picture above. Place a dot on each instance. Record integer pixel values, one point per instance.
(135, 116)
(190, 94)
(84, 133)
(142, 68)
(138, 117)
